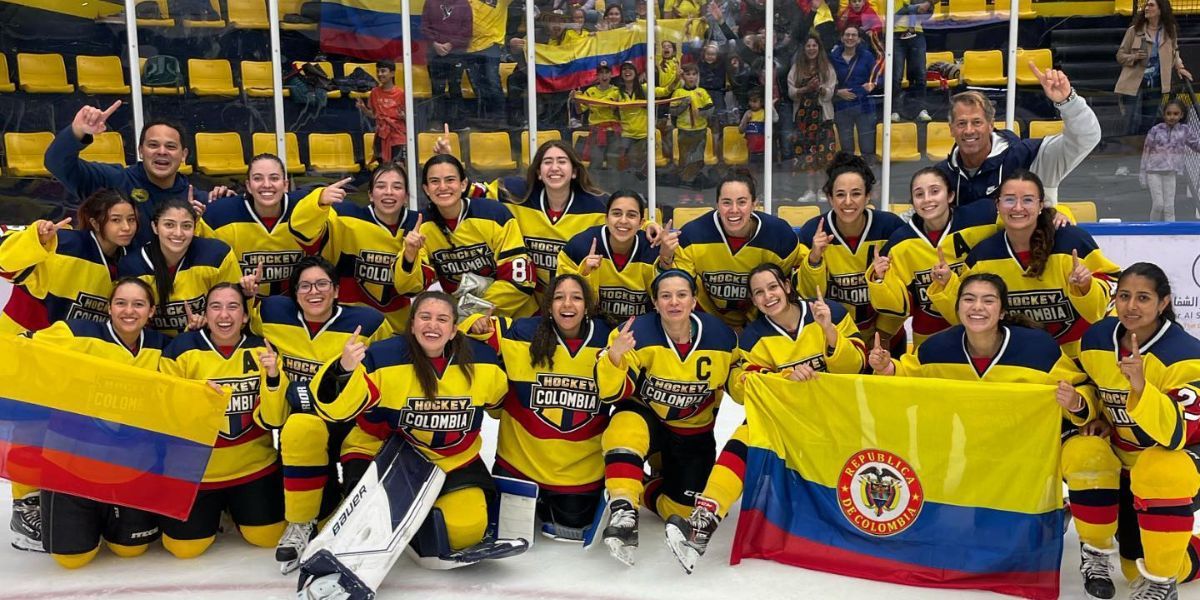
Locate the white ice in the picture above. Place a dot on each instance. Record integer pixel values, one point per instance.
(233, 569)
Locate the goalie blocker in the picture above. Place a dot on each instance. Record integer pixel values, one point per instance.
(390, 506)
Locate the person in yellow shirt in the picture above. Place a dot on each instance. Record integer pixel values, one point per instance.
(691, 124)
(604, 130)
(489, 19)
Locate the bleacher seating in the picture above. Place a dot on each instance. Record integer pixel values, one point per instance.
(733, 146)
(292, 7)
(25, 153)
(211, 78)
(984, 68)
(220, 154)
(578, 141)
(1083, 211)
(797, 216)
(1040, 57)
(257, 80)
(331, 153)
(370, 160)
(904, 142)
(937, 57)
(264, 143)
(710, 157)
(427, 140)
(544, 135)
(327, 67)
(491, 151)
(938, 140)
(6, 82)
(43, 74)
(1041, 129)
(108, 147)
(100, 75)
(899, 208)
(158, 90)
(369, 68)
(248, 14)
(164, 17)
(686, 214)
(217, 23)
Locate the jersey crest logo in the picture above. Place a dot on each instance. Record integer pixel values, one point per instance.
(1051, 308)
(239, 413)
(439, 423)
(564, 402)
(727, 286)
(622, 302)
(879, 493)
(89, 307)
(544, 252)
(676, 400)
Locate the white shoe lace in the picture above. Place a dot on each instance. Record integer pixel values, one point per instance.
(296, 535)
(624, 517)
(1095, 565)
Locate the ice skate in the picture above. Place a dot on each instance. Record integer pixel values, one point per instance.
(26, 523)
(621, 534)
(292, 544)
(688, 538)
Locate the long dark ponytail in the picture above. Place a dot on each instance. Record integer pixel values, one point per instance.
(457, 346)
(164, 277)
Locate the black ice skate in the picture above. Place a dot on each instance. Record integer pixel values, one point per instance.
(1097, 572)
(621, 534)
(26, 523)
(1152, 587)
(292, 544)
(688, 538)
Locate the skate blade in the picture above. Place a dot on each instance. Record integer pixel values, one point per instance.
(286, 567)
(686, 555)
(620, 551)
(25, 544)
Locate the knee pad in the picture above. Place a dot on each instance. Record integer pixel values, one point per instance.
(263, 536)
(1161, 474)
(466, 516)
(1089, 463)
(627, 430)
(304, 436)
(187, 548)
(74, 561)
(127, 551)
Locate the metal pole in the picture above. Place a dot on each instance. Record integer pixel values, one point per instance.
(530, 81)
(409, 120)
(277, 83)
(889, 48)
(651, 130)
(1010, 95)
(769, 104)
(135, 73)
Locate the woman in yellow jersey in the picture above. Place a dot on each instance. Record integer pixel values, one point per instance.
(898, 280)
(617, 259)
(242, 477)
(308, 328)
(74, 526)
(1058, 278)
(181, 267)
(256, 225)
(667, 372)
(1136, 475)
(365, 243)
(791, 338)
(844, 241)
(475, 238)
(397, 384)
(61, 273)
(551, 423)
(560, 201)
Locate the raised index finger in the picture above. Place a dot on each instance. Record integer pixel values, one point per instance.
(111, 109)
(593, 250)
(1134, 350)
(820, 295)
(1075, 257)
(941, 256)
(258, 271)
(628, 325)
(341, 183)
(62, 223)
(877, 340)
(1036, 71)
(357, 332)
(420, 219)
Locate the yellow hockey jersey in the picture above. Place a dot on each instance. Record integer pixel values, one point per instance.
(552, 420)
(904, 290)
(99, 340)
(485, 240)
(683, 388)
(1167, 413)
(841, 274)
(619, 292)
(546, 237)
(365, 252)
(723, 273)
(385, 396)
(766, 347)
(254, 240)
(70, 279)
(1026, 356)
(1048, 299)
(244, 450)
(206, 263)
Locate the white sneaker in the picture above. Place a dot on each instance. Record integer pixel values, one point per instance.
(895, 117)
(924, 117)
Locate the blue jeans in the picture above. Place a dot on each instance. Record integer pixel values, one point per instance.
(846, 119)
(483, 68)
(909, 53)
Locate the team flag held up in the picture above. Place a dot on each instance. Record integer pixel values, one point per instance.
(922, 482)
(77, 424)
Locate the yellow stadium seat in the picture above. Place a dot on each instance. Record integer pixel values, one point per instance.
(1040, 57)
(257, 79)
(660, 158)
(937, 57)
(904, 142)
(797, 216)
(965, 10)
(733, 146)
(164, 19)
(468, 90)
(327, 67)
(984, 67)
(938, 141)
(506, 70)
(211, 77)
(108, 147)
(6, 84)
(686, 214)
(26, 153)
(43, 74)
(100, 75)
(158, 90)
(544, 135)
(1083, 211)
(348, 68)
(1124, 7)
(248, 14)
(371, 161)
(217, 23)
(577, 143)
(264, 143)
(292, 7)
(710, 158)
(491, 151)
(331, 153)
(220, 154)
(1024, 9)
(1016, 128)
(899, 208)
(427, 140)
(1041, 129)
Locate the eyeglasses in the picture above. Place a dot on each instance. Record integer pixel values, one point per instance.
(1013, 200)
(322, 285)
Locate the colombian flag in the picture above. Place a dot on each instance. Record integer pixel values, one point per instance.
(922, 482)
(77, 424)
(563, 67)
(370, 29)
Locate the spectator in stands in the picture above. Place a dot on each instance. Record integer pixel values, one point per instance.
(603, 128)
(820, 21)
(712, 79)
(691, 125)
(741, 81)
(811, 82)
(681, 9)
(613, 18)
(1148, 55)
(668, 65)
(150, 181)
(982, 156)
(909, 56)
(447, 26)
(489, 22)
(861, 14)
(852, 108)
(385, 104)
(1163, 157)
(754, 126)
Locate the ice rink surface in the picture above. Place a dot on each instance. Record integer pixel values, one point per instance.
(232, 569)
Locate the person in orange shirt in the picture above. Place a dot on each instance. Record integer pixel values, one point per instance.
(386, 106)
